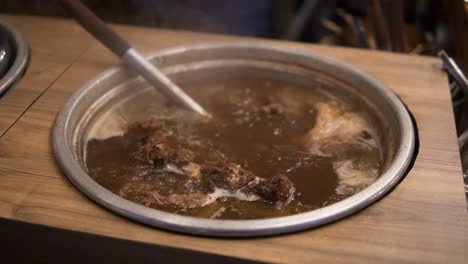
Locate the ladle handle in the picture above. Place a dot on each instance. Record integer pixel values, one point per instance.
(96, 26)
(130, 56)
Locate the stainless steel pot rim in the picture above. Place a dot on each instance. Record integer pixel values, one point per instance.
(21, 60)
(234, 228)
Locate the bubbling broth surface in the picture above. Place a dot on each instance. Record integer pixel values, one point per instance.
(271, 149)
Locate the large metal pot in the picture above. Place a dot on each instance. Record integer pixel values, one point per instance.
(119, 85)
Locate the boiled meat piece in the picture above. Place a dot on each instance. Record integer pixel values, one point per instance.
(155, 147)
(334, 127)
(209, 181)
(217, 182)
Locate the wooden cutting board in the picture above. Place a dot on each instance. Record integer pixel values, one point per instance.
(423, 220)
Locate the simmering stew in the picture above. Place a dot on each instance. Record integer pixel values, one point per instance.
(271, 149)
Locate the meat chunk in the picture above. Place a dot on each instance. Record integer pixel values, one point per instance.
(333, 128)
(209, 181)
(278, 189)
(155, 147)
(229, 181)
(217, 182)
(230, 177)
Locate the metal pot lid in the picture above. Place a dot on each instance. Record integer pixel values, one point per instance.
(71, 122)
(14, 56)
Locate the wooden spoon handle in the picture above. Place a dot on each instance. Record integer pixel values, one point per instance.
(96, 26)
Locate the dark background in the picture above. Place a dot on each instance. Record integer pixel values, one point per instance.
(410, 26)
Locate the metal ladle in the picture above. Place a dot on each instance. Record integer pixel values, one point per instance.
(129, 55)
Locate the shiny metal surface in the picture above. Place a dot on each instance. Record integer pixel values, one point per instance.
(18, 60)
(397, 133)
(153, 75)
(454, 71)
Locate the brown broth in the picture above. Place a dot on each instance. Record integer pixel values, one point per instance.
(265, 145)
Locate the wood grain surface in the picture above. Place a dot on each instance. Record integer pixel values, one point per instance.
(424, 220)
(51, 55)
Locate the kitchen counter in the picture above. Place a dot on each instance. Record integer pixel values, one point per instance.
(423, 220)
